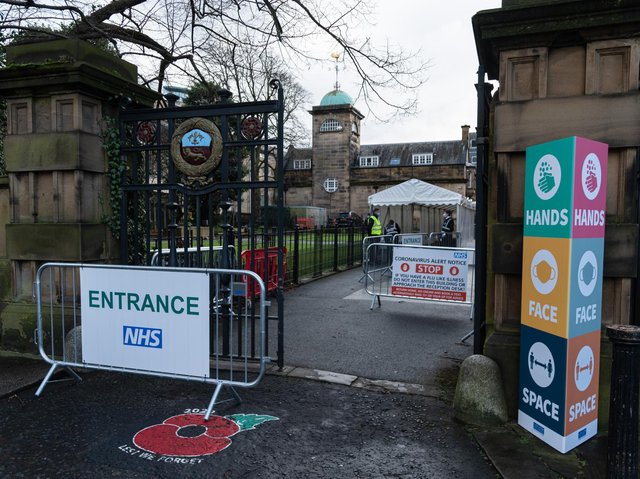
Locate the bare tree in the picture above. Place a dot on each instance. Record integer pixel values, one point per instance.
(237, 68)
(168, 38)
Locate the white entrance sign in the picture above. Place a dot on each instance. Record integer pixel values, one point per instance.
(430, 273)
(411, 239)
(146, 319)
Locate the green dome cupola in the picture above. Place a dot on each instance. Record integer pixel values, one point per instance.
(336, 97)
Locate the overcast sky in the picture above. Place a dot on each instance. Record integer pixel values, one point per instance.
(443, 33)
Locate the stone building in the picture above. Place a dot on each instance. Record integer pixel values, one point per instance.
(339, 174)
(565, 68)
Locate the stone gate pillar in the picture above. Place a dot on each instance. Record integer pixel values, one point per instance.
(58, 94)
(565, 68)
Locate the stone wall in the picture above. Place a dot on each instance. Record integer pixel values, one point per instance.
(56, 191)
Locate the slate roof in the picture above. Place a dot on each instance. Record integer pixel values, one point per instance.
(294, 153)
(444, 153)
(452, 152)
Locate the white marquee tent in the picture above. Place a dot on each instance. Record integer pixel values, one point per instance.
(417, 206)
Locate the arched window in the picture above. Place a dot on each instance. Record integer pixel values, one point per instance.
(331, 125)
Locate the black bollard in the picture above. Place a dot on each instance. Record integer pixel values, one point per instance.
(622, 447)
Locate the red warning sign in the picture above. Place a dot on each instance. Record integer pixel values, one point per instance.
(438, 273)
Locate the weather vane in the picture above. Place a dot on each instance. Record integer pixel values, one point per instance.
(336, 57)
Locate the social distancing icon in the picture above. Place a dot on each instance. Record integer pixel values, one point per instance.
(541, 364)
(584, 368)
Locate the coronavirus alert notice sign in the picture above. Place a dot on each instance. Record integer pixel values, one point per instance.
(439, 274)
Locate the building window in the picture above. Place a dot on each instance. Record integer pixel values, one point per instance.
(301, 164)
(422, 158)
(474, 159)
(331, 125)
(354, 128)
(369, 161)
(331, 185)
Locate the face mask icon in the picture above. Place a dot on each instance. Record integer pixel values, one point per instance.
(587, 273)
(544, 272)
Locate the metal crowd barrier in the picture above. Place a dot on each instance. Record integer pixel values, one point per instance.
(449, 240)
(233, 354)
(366, 260)
(427, 273)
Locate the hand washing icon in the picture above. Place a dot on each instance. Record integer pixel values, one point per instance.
(591, 176)
(547, 176)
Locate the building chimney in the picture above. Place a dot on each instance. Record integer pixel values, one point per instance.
(465, 133)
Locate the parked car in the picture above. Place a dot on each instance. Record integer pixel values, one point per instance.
(348, 218)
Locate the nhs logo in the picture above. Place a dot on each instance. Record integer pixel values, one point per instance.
(145, 337)
(460, 255)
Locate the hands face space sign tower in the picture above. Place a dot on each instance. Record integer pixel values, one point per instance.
(564, 217)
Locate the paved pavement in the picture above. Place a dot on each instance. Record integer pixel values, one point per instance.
(364, 394)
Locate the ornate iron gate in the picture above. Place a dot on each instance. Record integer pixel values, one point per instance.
(202, 187)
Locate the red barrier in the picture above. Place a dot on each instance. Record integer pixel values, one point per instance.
(305, 223)
(253, 260)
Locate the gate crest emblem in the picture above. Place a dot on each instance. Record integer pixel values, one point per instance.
(196, 147)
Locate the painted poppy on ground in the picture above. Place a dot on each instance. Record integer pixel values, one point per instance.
(189, 435)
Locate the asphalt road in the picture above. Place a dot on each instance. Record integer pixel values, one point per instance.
(328, 325)
(121, 425)
(304, 429)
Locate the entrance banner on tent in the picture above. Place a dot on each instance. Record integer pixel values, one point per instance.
(433, 273)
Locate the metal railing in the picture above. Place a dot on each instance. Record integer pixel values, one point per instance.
(315, 252)
(194, 256)
(224, 340)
